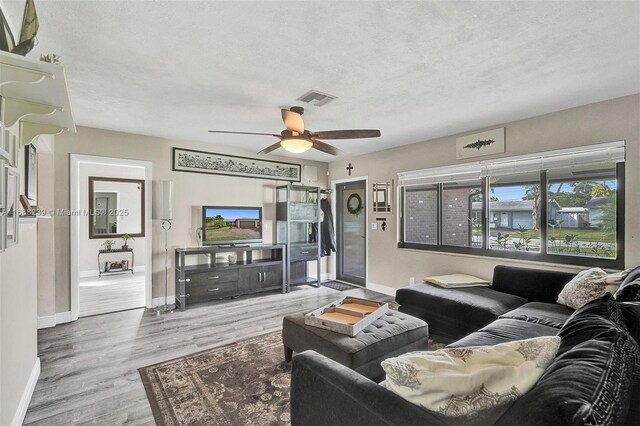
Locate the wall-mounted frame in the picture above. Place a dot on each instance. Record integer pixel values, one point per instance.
(31, 173)
(3, 204)
(12, 219)
(9, 146)
(188, 160)
(480, 144)
(124, 215)
(383, 197)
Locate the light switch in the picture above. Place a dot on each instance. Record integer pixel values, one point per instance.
(374, 226)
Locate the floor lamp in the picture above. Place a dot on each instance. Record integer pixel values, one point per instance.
(165, 214)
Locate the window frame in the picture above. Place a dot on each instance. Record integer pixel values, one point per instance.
(542, 256)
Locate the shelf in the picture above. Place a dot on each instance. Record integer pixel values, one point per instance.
(204, 267)
(34, 93)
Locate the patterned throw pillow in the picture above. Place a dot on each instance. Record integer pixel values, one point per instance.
(470, 383)
(589, 285)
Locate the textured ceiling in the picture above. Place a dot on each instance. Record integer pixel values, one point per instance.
(415, 70)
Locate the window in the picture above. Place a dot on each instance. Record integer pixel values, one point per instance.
(561, 207)
(462, 214)
(581, 213)
(421, 213)
(514, 211)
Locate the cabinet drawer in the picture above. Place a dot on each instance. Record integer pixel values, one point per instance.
(213, 277)
(200, 292)
(304, 252)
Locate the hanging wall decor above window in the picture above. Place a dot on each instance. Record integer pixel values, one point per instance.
(480, 144)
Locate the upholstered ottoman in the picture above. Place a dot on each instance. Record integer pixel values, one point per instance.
(393, 334)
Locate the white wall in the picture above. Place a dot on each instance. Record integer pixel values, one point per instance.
(609, 121)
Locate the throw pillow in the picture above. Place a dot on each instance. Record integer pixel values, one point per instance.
(456, 281)
(591, 381)
(475, 383)
(589, 285)
(629, 290)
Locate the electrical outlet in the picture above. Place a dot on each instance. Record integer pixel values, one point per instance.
(412, 280)
(374, 226)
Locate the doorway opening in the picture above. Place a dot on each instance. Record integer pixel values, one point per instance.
(351, 231)
(111, 242)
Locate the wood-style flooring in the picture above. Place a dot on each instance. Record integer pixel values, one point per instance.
(90, 367)
(111, 293)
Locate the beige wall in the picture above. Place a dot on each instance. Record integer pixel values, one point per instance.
(18, 319)
(46, 246)
(613, 120)
(191, 190)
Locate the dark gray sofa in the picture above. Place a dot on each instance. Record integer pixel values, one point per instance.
(597, 369)
(455, 313)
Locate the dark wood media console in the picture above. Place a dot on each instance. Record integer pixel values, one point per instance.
(202, 282)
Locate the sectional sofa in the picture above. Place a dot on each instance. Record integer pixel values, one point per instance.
(594, 379)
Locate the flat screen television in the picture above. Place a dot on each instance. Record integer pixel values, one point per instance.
(231, 225)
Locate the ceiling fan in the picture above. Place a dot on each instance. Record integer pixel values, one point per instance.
(295, 138)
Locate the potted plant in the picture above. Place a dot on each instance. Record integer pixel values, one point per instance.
(108, 244)
(126, 237)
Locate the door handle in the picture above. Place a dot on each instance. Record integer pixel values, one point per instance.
(264, 277)
(214, 278)
(211, 290)
(185, 281)
(304, 252)
(259, 277)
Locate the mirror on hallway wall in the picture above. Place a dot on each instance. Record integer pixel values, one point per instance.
(116, 207)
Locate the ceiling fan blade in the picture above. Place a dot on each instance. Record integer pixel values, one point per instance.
(292, 121)
(244, 133)
(346, 134)
(270, 148)
(325, 147)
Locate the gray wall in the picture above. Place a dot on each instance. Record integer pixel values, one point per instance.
(607, 121)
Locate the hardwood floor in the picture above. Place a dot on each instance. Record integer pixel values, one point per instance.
(90, 367)
(111, 293)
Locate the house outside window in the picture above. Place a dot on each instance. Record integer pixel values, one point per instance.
(561, 207)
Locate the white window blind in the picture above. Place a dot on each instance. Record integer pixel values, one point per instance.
(600, 154)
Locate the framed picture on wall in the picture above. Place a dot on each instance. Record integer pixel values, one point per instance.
(31, 173)
(12, 220)
(8, 146)
(3, 204)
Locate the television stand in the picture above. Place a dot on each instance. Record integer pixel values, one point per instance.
(202, 282)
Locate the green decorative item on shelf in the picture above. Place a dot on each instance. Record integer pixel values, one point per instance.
(126, 237)
(52, 58)
(354, 204)
(108, 244)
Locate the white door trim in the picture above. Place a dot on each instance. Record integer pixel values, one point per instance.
(74, 201)
(334, 184)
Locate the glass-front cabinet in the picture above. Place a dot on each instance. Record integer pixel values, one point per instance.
(298, 226)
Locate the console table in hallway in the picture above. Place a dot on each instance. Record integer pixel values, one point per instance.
(103, 270)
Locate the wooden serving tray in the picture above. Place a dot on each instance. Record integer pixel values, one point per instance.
(348, 316)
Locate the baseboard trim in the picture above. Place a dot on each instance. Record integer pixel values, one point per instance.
(27, 393)
(46, 322)
(390, 291)
(63, 317)
(159, 301)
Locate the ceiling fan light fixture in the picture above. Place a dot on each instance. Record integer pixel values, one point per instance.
(296, 145)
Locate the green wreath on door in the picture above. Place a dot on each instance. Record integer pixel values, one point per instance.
(354, 204)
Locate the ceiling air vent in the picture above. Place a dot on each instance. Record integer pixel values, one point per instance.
(316, 98)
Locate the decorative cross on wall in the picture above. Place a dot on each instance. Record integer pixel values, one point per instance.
(349, 168)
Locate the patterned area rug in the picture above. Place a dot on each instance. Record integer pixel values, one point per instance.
(245, 383)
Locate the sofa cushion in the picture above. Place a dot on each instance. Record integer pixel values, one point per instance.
(631, 313)
(630, 288)
(471, 383)
(504, 330)
(589, 285)
(454, 313)
(535, 285)
(592, 379)
(550, 314)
